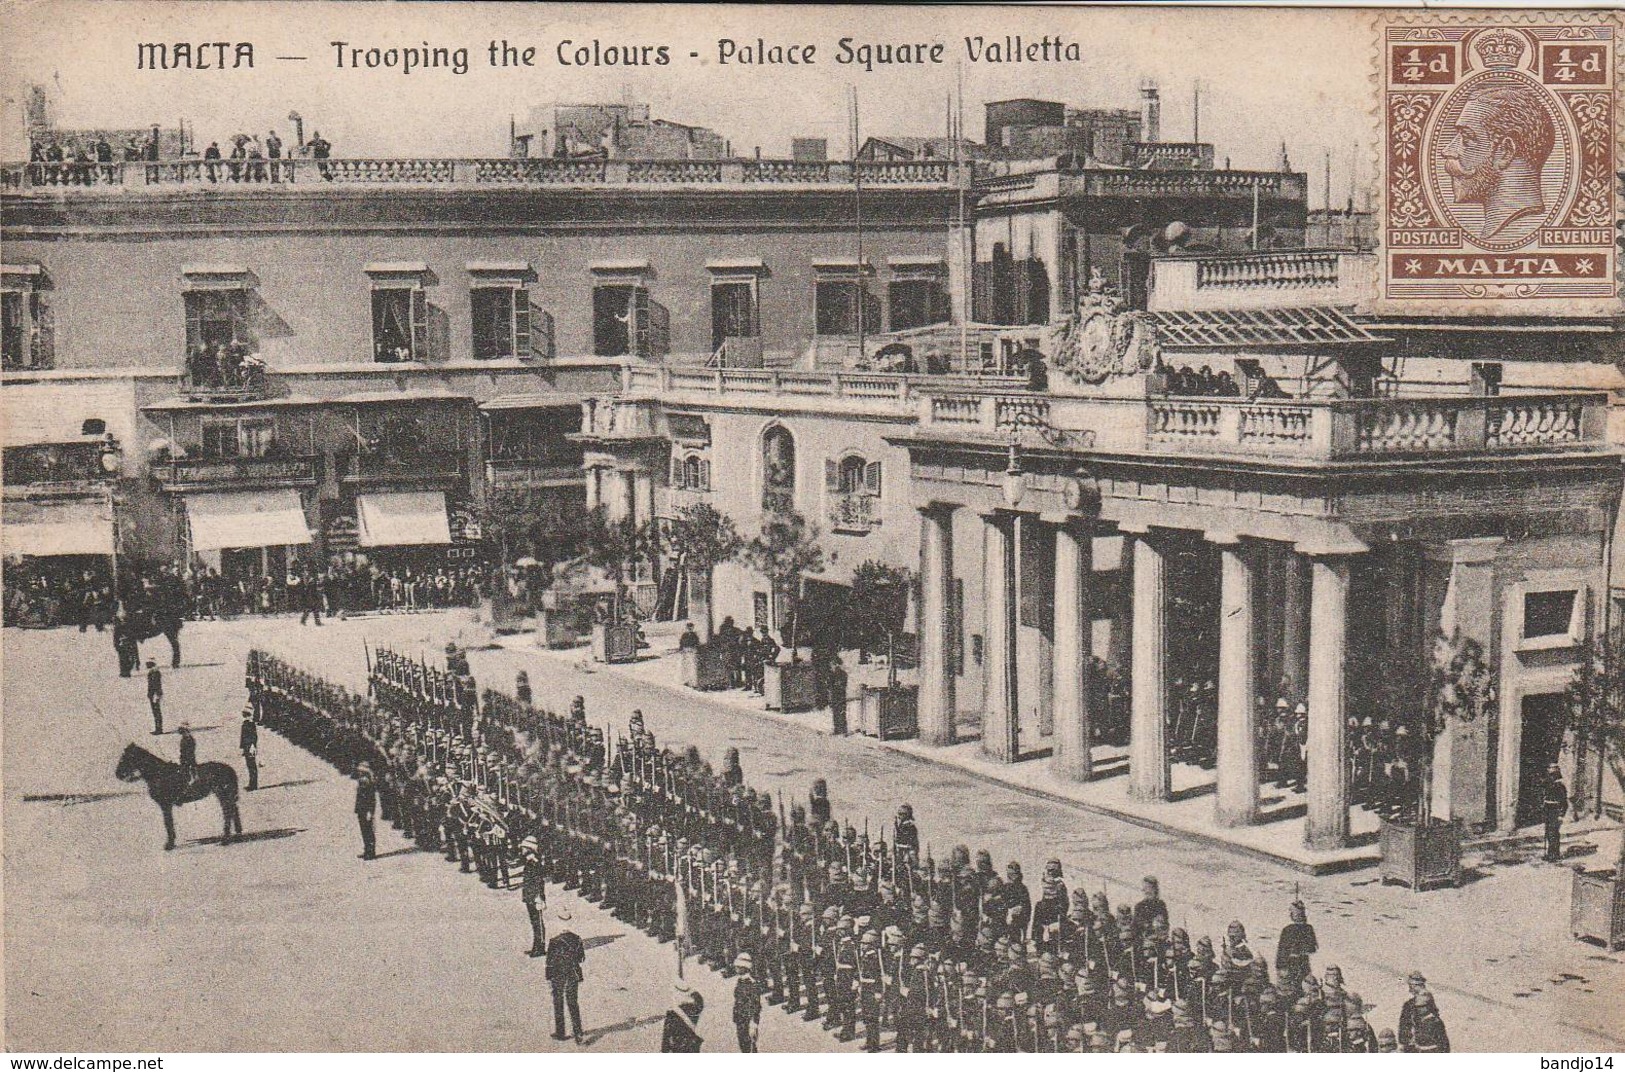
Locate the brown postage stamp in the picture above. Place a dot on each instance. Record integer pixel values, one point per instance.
(1499, 158)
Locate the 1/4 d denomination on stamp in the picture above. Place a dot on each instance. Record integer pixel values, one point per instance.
(1499, 158)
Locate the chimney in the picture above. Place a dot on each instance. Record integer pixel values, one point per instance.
(1150, 112)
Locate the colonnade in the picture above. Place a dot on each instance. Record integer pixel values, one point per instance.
(1314, 637)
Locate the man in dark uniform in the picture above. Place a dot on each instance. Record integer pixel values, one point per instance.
(1293, 949)
(155, 696)
(188, 749)
(248, 741)
(1554, 804)
(366, 809)
(747, 1003)
(533, 891)
(565, 954)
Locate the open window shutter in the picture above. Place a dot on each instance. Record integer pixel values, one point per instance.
(521, 322)
(194, 320)
(44, 332)
(705, 475)
(241, 330)
(659, 330)
(420, 324)
(871, 478)
(541, 333)
(677, 472)
(832, 475)
(640, 321)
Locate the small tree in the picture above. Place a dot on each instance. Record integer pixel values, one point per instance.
(1596, 708)
(784, 552)
(616, 547)
(702, 538)
(1460, 689)
(530, 521)
(879, 604)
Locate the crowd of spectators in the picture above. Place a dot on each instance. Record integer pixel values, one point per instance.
(92, 159)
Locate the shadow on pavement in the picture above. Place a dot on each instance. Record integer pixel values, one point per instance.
(288, 784)
(77, 798)
(600, 940)
(254, 835)
(407, 851)
(631, 1023)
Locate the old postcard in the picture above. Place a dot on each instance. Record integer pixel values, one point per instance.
(638, 528)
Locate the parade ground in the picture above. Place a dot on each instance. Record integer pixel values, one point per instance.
(287, 941)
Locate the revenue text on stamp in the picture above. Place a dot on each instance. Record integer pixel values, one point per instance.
(1499, 158)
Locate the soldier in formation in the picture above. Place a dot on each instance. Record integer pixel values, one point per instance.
(873, 936)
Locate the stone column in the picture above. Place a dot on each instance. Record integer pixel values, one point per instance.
(937, 693)
(1073, 622)
(629, 488)
(595, 477)
(644, 496)
(998, 601)
(1295, 628)
(1238, 760)
(1148, 728)
(1328, 818)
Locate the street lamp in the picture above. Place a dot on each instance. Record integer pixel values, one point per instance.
(1015, 480)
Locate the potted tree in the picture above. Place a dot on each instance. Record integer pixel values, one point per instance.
(702, 538)
(878, 606)
(615, 547)
(1459, 687)
(1597, 711)
(784, 552)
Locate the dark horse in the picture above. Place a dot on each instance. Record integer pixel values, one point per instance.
(156, 618)
(169, 786)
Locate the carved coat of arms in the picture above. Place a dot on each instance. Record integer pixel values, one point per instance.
(1105, 338)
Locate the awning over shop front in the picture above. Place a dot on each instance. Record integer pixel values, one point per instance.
(401, 518)
(57, 528)
(272, 518)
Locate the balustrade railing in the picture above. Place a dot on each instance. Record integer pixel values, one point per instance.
(226, 473)
(1515, 421)
(895, 388)
(852, 511)
(440, 171)
(1376, 427)
(1279, 270)
(433, 465)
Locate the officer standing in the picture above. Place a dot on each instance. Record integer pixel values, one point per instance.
(747, 1003)
(565, 954)
(1296, 944)
(155, 696)
(248, 741)
(366, 809)
(1554, 805)
(533, 891)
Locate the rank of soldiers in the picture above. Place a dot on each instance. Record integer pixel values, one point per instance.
(877, 939)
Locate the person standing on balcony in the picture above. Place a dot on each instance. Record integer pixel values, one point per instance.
(211, 153)
(320, 149)
(149, 153)
(273, 153)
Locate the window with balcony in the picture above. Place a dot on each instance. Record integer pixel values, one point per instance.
(626, 320)
(843, 303)
(852, 487)
(221, 342)
(400, 311)
(735, 309)
(25, 320)
(398, 323)
(778, 469)
(917, 295)
(247, 437)
(691, 472)
(504, 323)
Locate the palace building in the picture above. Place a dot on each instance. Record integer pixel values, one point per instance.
(1109, 416)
